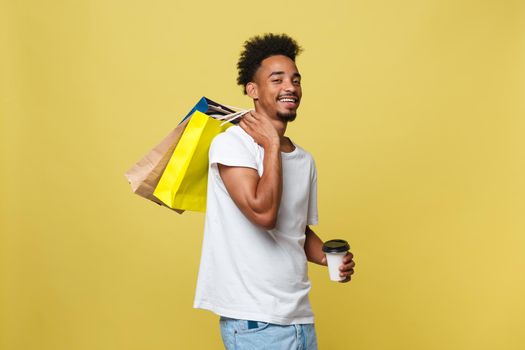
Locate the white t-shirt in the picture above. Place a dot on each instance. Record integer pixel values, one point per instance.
(247, 272)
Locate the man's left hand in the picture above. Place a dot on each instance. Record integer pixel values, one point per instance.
(346, 270)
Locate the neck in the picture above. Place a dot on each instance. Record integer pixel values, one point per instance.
(279, 125)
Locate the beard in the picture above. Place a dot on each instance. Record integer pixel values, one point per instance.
(287, 117)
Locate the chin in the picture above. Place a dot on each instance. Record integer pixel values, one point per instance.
(287, 117)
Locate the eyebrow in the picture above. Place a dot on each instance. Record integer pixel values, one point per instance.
(281, 73)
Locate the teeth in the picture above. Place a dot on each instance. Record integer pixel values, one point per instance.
(287, 100)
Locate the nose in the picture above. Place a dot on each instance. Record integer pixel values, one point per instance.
(289, 86)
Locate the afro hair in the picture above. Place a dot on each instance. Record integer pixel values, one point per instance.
(258, 48)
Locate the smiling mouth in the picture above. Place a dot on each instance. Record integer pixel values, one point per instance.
(288, 99)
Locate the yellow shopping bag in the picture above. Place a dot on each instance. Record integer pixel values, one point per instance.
(184, 182)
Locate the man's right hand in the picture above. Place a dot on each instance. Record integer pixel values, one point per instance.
(261, 129)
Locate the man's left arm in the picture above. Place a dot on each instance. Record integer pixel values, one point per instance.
(313, 247)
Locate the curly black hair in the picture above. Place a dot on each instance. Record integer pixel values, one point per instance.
(258, 48)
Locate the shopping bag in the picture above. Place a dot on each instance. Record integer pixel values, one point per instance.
(214, 109)
(145, 174)
(184, 182)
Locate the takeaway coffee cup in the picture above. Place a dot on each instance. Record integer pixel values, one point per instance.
(335, 250)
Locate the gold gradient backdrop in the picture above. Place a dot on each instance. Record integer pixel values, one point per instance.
(414, 111)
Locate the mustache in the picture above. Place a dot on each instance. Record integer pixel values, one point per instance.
(289, 95)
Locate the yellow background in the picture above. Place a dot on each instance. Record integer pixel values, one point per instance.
(414, 111)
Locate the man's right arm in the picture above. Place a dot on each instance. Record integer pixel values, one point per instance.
(258, 198)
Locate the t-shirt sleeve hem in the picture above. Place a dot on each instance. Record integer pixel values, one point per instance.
(234, 162)
(312, 221)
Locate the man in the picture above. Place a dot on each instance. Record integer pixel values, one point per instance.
(262, 197)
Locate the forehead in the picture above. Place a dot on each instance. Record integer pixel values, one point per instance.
(278, 63)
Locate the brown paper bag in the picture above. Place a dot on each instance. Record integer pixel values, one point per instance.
(145, 174)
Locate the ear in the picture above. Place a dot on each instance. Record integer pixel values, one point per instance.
(251, 90)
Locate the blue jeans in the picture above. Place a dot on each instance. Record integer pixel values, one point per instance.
(252, 335)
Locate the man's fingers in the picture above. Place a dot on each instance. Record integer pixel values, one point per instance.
(348, 257)
(245, 126)
(347, 276)
(347, 266)
(346, 273)
(252, 119)
(347, 279)
(249, 119)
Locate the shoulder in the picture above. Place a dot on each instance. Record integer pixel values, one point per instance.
(233, 147)
(303, 154)
(234, 136)
(306, 159)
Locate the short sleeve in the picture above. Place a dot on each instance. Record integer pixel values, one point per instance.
(312, 218)
(232, 149)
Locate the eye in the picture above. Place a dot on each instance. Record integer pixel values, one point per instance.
(277, 81)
